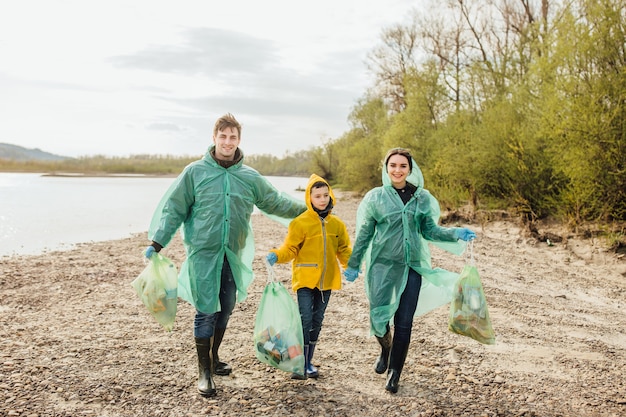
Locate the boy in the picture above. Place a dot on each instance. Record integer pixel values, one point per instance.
(315, 241)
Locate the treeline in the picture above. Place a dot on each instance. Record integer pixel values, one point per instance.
(505, 104)
(102, 165)
(298, 164)
(292, 164)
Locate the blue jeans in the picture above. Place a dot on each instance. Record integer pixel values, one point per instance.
(312, 304)
(403, 319)
(204, 325)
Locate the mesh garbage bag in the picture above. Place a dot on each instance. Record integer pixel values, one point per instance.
(278, 338)
(469, 315)
(157, 288)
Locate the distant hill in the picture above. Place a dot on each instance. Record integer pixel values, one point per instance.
(18, 153)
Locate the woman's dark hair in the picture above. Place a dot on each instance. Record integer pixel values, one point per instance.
(400, 151)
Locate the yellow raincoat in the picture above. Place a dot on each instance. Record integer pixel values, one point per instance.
(214, 204)
(393, 237)
(316, 246)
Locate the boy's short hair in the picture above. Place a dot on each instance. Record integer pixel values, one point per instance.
(318, 184)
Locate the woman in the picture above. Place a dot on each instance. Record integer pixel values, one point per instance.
(395, 222)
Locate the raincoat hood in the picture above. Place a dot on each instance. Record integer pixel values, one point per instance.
(307, 194)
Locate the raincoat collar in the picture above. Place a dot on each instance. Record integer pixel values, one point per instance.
(210, 157)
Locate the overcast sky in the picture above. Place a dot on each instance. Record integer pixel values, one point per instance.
(125, 77)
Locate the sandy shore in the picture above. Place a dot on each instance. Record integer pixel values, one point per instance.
(78, 342)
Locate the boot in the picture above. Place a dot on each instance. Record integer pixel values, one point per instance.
(221, 368)
(396, 363)
(309, 369)
(206, 386)
(296, 375)
(382, 362)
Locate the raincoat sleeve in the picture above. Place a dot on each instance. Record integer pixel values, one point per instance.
(344, 250)
(278, 206)
(434, 232)
(172, 210)
(291, 245)
(366, 225)
(442, 237)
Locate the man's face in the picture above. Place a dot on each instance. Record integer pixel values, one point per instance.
(226, 143)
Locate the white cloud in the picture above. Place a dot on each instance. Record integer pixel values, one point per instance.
(128, 77)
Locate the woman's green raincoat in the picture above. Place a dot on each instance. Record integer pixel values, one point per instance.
(214, 204)
(393, 237)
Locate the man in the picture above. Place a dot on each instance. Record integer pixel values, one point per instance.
(213, 199)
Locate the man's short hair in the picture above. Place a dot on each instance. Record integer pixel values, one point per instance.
(227, 120)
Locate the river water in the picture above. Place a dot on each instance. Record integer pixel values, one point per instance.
(42, 213)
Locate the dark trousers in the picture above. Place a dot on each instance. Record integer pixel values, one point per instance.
(204, 325)
(312, 304)
(403, 319)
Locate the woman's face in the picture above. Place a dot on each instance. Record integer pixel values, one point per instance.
(398, 170)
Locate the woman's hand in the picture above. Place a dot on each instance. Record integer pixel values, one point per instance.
(465, 234)
(351, 274)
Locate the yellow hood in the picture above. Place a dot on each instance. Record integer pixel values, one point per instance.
(307, 195)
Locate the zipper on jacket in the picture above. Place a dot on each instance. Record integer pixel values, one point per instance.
(324, 261)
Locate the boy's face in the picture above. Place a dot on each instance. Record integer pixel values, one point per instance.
(320, 197)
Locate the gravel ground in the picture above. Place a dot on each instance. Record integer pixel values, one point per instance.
(78, 342)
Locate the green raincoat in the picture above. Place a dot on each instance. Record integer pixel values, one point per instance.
(214, 204)
(393, 237)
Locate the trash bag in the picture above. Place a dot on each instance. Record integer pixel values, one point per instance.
(278, 338)
(157, 288)
(469, 315)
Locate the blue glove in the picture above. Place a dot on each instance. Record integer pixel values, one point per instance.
(351, 274)
(149, 251)
(465, 234)
(272, 258)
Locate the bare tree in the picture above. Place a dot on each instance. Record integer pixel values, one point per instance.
(391, 62)
(442, 38)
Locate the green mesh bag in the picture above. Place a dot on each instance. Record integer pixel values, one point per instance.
(157, 288)
(278, 338)
(469, 315)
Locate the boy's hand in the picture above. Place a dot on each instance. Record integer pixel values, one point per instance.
(271, 258)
